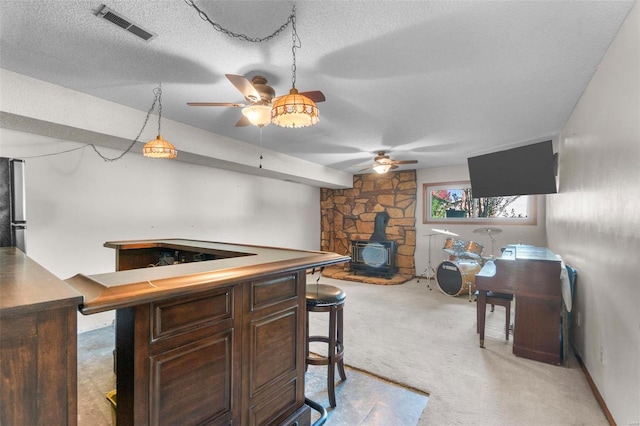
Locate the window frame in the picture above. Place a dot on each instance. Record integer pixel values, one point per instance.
(532, 207)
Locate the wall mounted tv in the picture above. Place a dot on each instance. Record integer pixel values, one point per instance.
(525, 170)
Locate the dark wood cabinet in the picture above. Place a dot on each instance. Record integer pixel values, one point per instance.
(233, 355)
(38, 368)
(215, 342)
(176, 360)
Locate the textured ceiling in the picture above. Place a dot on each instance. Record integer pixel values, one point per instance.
(435, 81)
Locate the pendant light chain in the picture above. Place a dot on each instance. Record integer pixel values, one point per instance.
(244, 37)
(158, 93)
(295, 44)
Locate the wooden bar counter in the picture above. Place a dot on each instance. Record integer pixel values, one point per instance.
(38, 332)
(217, 338)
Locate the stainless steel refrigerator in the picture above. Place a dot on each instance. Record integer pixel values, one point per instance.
(13, 219)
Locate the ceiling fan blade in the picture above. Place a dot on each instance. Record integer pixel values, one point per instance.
(244, 121)
(405, 162)
(245, 87)
(315, 95)
(224, 104)
(366, 168)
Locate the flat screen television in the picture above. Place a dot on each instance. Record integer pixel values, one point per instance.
(526, 170)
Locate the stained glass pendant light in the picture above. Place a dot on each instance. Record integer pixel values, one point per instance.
(294, 110)
(159, 148)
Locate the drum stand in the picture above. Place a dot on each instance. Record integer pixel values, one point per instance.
(429, 273)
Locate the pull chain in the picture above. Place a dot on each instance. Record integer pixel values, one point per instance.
(261, 146)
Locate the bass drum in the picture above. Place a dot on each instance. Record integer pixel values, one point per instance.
(454, 278)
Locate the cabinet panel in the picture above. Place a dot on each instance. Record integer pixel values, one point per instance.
(537, 329)
(18, 327)
(302, 417)
(38, 368)
(273, 348)
(268, 292)
(282, 400)
(19, 367)
(57, 368)
(273, 363)
(185, 313)
(193, 384)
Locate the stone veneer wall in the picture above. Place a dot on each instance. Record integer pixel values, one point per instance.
(348, 214)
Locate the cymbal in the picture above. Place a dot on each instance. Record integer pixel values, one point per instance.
(445, 231)
(487, 231)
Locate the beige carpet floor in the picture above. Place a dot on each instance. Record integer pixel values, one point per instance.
(428, 340)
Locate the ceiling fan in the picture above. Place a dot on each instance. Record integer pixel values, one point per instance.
(259, 97)
(382, 163)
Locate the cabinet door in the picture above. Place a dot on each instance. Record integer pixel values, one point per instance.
(193, 384)
(273, 367)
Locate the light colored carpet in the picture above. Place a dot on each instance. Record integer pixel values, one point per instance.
(428, 340)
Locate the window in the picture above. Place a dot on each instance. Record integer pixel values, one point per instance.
(453, 202)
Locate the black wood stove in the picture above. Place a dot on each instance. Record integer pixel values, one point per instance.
(376, 257)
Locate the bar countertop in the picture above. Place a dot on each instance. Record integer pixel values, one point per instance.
(103, 292)
(25, 286)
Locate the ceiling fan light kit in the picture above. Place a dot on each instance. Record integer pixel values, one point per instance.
(258, 115)
(382, 168)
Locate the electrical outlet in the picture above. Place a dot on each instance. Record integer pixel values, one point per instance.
(601, 355)
(578, 319)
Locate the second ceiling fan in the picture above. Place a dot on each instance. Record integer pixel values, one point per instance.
(382, 163)
(259, 97)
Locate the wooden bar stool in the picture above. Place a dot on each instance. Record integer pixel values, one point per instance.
(328, 298)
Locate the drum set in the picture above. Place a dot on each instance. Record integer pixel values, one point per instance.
(457, 274)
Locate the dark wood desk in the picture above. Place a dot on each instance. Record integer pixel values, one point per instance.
(532, 274)
(217, 340)
(38, 368)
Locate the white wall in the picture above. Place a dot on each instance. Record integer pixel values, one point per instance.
(594, 222)
(76, 202)
(511, 234)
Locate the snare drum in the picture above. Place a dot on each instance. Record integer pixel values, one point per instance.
(473, 250)
(455, 278)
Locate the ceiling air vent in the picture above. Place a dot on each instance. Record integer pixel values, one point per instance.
(114, 17)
